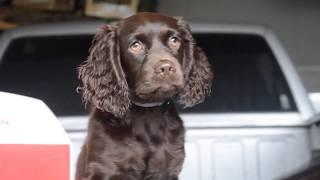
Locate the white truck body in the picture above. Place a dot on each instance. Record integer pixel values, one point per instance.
(221, 146)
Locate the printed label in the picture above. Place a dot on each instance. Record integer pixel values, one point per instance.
(4, 123)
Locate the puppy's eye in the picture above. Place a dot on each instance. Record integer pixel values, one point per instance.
(174, 42)
(136, 47)
(173, 39)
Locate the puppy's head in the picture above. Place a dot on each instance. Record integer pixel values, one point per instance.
(145, 58)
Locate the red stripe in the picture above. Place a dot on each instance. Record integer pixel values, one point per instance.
(34, 162)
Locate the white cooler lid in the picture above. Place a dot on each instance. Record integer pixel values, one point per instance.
(25, 120)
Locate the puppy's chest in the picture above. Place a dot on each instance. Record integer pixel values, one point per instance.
(147, 145)
(150, 132)
(150, 143)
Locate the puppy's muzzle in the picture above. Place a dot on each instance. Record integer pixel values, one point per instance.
(164, 69)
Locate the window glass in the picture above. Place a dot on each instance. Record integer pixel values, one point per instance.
(247, 77)
(46, 68)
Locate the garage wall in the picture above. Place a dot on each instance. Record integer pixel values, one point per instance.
(295, 22)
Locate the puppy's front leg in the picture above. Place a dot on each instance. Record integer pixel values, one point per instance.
(161, 177)
(173, 178)
(98, 171)
(94, 171)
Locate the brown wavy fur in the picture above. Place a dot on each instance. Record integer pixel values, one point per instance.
(104, 82)
(197, 71)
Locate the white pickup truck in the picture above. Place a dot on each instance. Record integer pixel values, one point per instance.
(258, 124)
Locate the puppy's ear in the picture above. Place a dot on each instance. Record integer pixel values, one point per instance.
(197, 72)
(104, 82)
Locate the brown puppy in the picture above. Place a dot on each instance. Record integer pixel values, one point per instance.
(134, 71)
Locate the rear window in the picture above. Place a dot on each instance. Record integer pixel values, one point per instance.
(46, 68)
(247, 76)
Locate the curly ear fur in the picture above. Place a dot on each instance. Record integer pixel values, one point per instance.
(198, 75)
(104, 83)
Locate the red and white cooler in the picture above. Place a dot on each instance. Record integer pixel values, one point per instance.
(33, 144)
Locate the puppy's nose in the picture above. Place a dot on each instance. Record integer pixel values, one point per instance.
(165, 67)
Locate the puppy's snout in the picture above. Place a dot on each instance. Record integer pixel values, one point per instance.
(165, 67)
